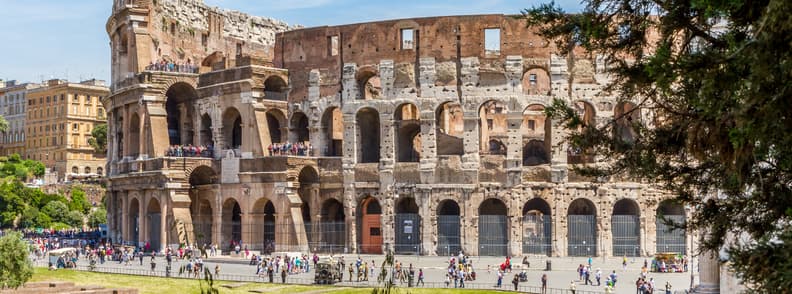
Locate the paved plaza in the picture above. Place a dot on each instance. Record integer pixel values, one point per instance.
(563, 271)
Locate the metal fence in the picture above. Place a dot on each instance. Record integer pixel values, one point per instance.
(537, 234)
(582, 235)
(669, 237)
(326, 237)
(449, 241)
(493, 235)
(626, 235)
(408, 233)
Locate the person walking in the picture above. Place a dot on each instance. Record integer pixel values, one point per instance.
(544, 284)
(500, 279)
(598, 276)
(516, 282)
(420, 277)
(283, 275)
(572, 287)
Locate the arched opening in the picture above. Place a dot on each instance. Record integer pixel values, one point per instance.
(180, 110)
(87, 170)
(264, 216)
(154, 222)
(492, 127)
(309, 193)
(215, 61)
(537, 227)
(134, 136)
(75, 170)
(582, 228)
(493, 228)
(275, 121)
(408, 135)
(626, 228)
(332, 227)
(670, 222)
(232, 223)
(133, 221)
(100, 171)
(275, 88)
(627, 116)
(206, 131)
(299, 128)
(370, 225)
(201, 212)
(449, 242)
(536, 81)
(576, 155)
(369, 85)
(450, 128)
(408, 226)
(232, 128)
(368, 135)
(535, 136)
(333, 132)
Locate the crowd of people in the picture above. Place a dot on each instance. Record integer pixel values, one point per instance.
(288, 148)
(190, 151)
(170, 66)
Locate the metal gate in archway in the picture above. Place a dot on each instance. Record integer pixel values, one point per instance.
(448, 235)
(202, 231)
(408, 233)
(537, 232)
(493, 235)
(626, 235)
(669, 237)
(582, 235)
(154, 230)
(326, 237)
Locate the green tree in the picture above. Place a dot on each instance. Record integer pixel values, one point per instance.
(716, 77)
(3, 124)
(56, 210)
(97, 217)
(34, 166)
(74, 218)
(98, 138)
(15, 266)
(78, 201)
(11, 205)
(29, 218)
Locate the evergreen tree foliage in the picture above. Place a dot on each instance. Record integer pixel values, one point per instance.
(15, 266)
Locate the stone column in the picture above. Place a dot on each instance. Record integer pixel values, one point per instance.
(164, 225)
(470, 139)
(560, 224)
(124, 229)
(709, 273)
(428, 147)
(558, 153)
(217, 220)
(387, 142)
(513, 164)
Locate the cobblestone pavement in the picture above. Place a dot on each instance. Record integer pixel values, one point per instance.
(563, 271)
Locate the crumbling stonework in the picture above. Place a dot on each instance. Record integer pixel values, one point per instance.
(429, 145)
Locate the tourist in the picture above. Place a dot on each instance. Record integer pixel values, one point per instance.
(500, 279)
(420, 277)
(515, 281)
(572, 287)
(544, 284)
(613, 277)
(598, 276)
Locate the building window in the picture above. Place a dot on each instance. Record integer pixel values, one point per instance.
(407, 39)
(532, 125)
(332, 45)
(204, 40)
(87, 169)
(75, 127)
(532, 79)
(492, 41)
(75, 170)
(239, 49)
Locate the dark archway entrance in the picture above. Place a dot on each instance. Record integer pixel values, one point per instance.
(333, 132)
(407, 227)
(232, 128)
(232, 223)
(201, 180)
(180, 111)
(582, 228)
(332, 228)
(408, 134)
(368, 134)
(626, 228)
(537, 227)
(133, 221)
(370, 221)
(493, 228)
(264, 216)
(206, 131)
(449, 241)
(671, 236)
(299, 128)
(154, 221)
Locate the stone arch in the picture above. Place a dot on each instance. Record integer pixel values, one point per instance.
(369, 85)
(582, 228)
(276, 121)
(212, 62)
(232, 222)
(202, 175)
(153, 212)
(368, 135)
(232, 128)
(493, 230)
(670, 229)
(332, 227)
(493, 127)
(134, 220)
(536, 81)
(449, 122)
(537, 227)
(588, 114)
(275, 88)
(180, 112)
(206, 130)
(408, 133)
(134, 135)
(408, 226)
(308, 191)
(449, 241)
(626, 228)
(264, 218)
(201, 211)
(332, 132)
(370, 224)
(536, 136)
(299, 128)
(627, 115)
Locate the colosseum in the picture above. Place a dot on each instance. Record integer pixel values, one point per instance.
(422, 136)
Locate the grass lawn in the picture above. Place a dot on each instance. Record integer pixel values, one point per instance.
(155, 285)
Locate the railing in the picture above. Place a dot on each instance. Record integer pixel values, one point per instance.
(173, 67)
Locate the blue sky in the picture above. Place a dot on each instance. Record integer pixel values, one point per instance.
(42, 39)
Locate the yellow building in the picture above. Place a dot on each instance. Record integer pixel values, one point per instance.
(60, 118)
